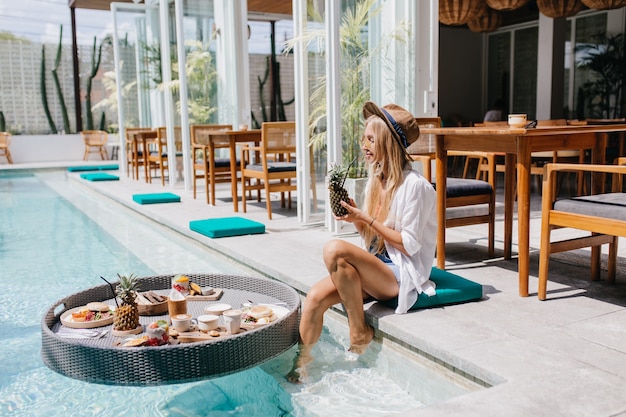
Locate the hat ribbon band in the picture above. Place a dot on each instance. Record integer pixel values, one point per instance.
(397, 128)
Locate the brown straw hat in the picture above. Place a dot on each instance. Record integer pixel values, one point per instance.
(400, 121)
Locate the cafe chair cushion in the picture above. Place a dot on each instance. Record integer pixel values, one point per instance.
(81, 168)
(450, 289)
(156, 198)
(463, 187)
(226, 226)
(608, 206)
(99, 176)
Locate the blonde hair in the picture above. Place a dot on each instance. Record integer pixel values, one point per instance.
(391, 160)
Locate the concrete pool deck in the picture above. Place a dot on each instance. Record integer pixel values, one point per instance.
(562, 357)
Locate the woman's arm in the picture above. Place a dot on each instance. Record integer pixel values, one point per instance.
(360, 219)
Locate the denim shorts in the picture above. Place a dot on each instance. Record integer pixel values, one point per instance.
(394, 268)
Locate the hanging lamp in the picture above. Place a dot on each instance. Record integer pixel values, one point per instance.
(604, 4)
(506, 5)
(458, 12)
(486, 22)
(559, 8)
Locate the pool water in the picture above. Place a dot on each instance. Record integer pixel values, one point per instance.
(57, 238)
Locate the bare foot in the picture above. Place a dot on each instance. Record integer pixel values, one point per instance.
(360, 346)
(298, 371)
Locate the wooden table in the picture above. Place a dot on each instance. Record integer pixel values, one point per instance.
(517, 145)
(232, 137)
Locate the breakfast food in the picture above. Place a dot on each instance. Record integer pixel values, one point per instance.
(258, 315)
(136, 341)
(91, 312)
(98, 306)
(181, 283)
(157, 333)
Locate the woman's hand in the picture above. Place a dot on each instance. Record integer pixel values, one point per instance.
(354, 215)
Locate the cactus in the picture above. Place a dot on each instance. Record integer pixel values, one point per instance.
(95, 65)
(277, 93)
(44, 94)
(3, 125)
(57, 84)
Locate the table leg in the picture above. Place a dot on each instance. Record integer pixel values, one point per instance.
(441, 175)
(523, 213)
(233, 173)
(509, 202)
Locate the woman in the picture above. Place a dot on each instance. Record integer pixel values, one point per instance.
(399, 226)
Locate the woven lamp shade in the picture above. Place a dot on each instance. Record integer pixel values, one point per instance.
(559, 8)
(486, 22)
(604, 4)
(506, 5)
(459, 12)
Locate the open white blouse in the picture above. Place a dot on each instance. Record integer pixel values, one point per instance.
(414, 214)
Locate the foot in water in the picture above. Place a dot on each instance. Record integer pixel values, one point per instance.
(298, 371)
(360, 348)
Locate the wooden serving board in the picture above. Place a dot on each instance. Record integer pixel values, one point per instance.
(216, 295)
(198, 336)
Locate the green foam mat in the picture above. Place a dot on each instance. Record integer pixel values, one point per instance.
(226, 226)
(156, 198)
(451, 289)
(81, 168)
(99, 176)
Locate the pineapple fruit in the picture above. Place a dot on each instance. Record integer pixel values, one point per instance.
(127, 314)
(336, 177)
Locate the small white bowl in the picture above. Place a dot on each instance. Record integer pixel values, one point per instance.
(207, 322)
(217, 309)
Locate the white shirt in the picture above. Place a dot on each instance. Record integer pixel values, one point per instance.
(414, 214)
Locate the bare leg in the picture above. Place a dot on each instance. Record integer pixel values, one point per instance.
(357, 275)
(320, 298)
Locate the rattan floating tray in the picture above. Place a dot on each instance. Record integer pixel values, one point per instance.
(101, 361)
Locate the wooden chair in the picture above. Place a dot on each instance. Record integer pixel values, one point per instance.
(465, 192)
(95, 142)
(540, 158)
(603, 215)
(5, 141)
(134, 152)
(159, 151)
(205, 164)
(274, 171)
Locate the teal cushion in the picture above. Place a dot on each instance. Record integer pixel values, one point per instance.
(451, 289)
(99, 176)
(156, 198)
(81, 168)
(226, 226)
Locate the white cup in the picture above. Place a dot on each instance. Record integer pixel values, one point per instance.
(232, 320)
(243, 127)
(207, 322)
(182, 322)
(517, 120)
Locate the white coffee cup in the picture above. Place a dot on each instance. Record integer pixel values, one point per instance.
(517, 120)
(232, 320)
(243, 127)
(207, 322)
(182, 322)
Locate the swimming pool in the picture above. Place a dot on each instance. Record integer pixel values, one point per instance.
(49, 249)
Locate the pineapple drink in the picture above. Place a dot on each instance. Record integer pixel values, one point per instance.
(336, 193)
(127, 314)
